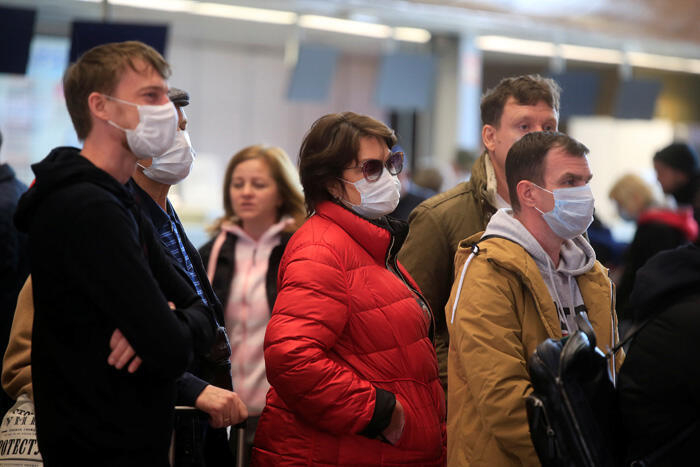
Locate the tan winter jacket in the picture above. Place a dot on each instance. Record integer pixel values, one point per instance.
(16, 365)
(436, 227)
(504, 311)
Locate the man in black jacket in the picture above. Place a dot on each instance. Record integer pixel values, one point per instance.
(100, 276)
(659, 382)
(207, 384)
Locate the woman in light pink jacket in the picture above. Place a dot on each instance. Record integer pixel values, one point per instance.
(263, 206)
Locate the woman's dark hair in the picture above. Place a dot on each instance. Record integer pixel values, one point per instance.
(329, 147)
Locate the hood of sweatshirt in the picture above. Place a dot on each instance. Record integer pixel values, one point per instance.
(666, 278)
(63, 166)
(575, 258)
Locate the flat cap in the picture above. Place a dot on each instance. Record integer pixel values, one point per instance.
(179, 97)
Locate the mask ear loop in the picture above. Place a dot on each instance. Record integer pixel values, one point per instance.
(343, 201)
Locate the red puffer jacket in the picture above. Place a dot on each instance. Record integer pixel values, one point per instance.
(346, 336)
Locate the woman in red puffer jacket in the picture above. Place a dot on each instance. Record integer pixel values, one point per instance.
(348, 349)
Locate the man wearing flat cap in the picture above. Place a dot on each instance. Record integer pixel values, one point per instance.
(207, 385)
(678, 171)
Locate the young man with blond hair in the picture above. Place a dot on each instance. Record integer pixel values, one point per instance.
(106, 345)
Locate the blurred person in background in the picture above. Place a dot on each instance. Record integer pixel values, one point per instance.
(516, 106)
(607, 250)
(458, 170)
(657, 229)
(415, 189)
(678, 171)
(14, 260)
(263, 206)
(151, 182)
(348, 351)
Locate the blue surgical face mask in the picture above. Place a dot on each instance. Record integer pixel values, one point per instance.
(572, 213)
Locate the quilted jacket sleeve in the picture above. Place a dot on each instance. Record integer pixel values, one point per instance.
(310, 313)
(487, 335)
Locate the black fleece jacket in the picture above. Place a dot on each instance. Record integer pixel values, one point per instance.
(98, 266)
(659, 382)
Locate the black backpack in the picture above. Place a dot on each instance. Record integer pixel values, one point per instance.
(572, 411)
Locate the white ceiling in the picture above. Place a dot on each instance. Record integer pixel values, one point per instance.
(657, 26)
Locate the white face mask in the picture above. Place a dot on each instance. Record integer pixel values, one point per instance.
(572, 213)
(377, 198)
(175, 164)
(155, 132)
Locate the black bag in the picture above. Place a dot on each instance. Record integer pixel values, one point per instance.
(572, 411)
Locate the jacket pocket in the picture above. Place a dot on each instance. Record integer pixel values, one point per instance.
(422, 431)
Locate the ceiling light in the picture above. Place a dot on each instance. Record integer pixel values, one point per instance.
(663, 62)
(412, 35)
(516, 46)
(591, 54)
(345, 26)
(244, 13)
(165, 5)
(218, 10)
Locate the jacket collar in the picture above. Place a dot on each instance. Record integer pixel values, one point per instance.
(374, 235)
(159, 218)
(479, 180)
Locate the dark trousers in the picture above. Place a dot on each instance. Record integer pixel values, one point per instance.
(197, 444)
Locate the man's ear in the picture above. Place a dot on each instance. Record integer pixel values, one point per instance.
(97, 105)
(488, 137)
(526, 194)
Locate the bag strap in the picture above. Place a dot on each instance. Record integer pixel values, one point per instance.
(659, 453)
(214, 256)
(475, 252)
(631, 333)
(636, 327)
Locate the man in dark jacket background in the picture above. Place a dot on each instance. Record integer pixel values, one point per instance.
(678, 171)
(14, 259)
(659, 382)
(100, 276)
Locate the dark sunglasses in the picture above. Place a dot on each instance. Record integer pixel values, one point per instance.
(372, 168)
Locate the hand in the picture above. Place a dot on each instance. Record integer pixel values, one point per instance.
(393, 432)
(122, 352)
(224, 407)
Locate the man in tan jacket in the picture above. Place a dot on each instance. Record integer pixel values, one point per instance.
(516, 106)
(518, 283)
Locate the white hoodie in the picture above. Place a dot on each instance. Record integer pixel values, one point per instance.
(575, 258)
